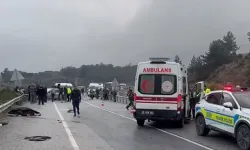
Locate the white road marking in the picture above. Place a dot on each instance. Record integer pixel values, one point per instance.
(169, 133)
(65, 125)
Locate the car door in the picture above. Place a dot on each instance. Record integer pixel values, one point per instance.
(212, 108)
(228, 114)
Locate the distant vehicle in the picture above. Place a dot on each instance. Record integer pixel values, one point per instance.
(226, 111)
(56, 91)
(96, 85)
(123, 86)
(64, 84)
(160, 91)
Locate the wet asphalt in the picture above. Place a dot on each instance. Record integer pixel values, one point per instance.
(101, 127)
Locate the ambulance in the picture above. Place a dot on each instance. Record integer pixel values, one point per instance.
(161, 92)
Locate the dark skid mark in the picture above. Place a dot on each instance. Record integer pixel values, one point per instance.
(37, 138)
(4, 123)
(70, 111)
(24, 111)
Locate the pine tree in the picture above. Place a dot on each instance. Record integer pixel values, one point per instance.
(177, 59)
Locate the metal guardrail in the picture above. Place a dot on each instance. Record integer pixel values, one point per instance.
(122, 99)
(6, 105)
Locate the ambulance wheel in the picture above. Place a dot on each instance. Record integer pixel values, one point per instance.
(201, 127)
(181, 122)
(243, 136)
(140, 122)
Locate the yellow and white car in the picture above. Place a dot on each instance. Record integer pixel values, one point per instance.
(226, 111)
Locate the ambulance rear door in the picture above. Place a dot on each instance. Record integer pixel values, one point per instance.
(156, 86)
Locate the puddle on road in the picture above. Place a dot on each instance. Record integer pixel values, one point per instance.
(76, 121)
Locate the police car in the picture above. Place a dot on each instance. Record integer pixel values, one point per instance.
(226, 111)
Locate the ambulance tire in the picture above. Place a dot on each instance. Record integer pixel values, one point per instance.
(201, 127)
(140, 122)
(243, 133)
(181, 123)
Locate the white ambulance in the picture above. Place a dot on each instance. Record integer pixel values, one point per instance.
(161, 91)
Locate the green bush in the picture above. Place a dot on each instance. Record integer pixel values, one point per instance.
(6, 95)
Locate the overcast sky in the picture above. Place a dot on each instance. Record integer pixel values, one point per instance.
(38, 35)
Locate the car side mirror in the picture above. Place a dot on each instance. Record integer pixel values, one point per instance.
(228, 105)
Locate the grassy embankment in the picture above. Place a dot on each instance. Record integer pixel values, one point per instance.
(6, 95)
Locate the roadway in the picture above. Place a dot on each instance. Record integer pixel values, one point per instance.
(101, 127)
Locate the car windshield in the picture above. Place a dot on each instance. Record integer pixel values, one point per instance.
(243, 98)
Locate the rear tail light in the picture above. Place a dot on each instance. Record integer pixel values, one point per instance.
(179, 103)
(179, 98)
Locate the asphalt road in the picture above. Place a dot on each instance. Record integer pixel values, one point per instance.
(101, 127)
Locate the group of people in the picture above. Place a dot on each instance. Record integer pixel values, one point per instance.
(64, 93)
(104, 93)
(67, 93)
(37, 91)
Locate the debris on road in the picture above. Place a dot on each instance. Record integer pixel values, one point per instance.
(3, 123)
(70, 111)
(24, 111)
(38, 138)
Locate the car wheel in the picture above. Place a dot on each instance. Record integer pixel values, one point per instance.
(243, 137)
(140, 122)
(201, 127)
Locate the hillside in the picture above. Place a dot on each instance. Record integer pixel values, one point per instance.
(236, 72)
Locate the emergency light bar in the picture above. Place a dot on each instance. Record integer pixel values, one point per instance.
(231, 89)
(159, 59)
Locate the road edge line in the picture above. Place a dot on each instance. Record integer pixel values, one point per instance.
(66, 127)
(166, 132)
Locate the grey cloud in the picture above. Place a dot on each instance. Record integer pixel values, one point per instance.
(47, 35)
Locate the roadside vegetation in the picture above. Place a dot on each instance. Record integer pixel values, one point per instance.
(6, 95)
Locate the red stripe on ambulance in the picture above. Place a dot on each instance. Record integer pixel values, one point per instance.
(156, 98)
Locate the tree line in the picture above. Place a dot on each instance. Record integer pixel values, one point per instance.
(221, 51)
(82, 75)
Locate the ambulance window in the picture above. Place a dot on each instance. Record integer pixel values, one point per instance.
(184, 84)
(168, 84)
(147, 84)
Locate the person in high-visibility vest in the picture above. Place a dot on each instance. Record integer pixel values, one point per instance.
(69, 91)
(207, 90)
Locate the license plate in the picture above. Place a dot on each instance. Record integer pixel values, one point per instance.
(147, 112)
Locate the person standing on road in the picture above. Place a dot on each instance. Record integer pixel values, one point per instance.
(114, 94)
(29, 93)
(32, 93)
(76, 99)
(130, 98)
(52, 95)
(65, 93)
(41, 93)
(69, 91)
(60, 88)
(82, 90)
(46, 94)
